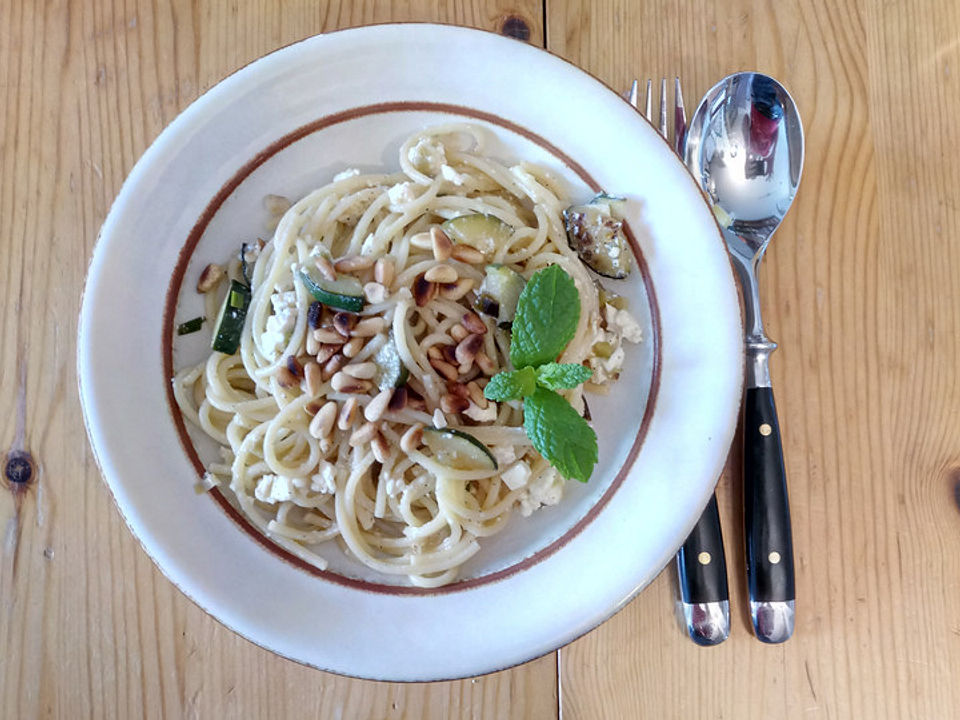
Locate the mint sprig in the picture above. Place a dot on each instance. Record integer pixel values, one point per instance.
(545, 322)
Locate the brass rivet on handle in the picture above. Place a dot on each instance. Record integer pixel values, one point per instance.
(765, 429)
(704, 558)
(774, 557)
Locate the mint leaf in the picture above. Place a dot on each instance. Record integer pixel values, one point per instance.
(546, 319)
(558, 433)
(511, 385)
(562, 376)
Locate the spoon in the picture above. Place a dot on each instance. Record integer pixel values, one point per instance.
(745, 146)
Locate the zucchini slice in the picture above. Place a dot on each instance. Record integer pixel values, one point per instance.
(458, 450)
(391, 372)
(344, 293)
(233, 313)
(499, 293)
(484, 232)
(597, 235)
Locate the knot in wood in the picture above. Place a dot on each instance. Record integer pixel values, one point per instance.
(516, 27)
(19, 468)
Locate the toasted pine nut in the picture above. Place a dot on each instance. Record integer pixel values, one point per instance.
(361, 371)
(363, 434)
(472, 322)
(453, 405)
(332, 366)
(285, 378)
(315, 315)
(313, 345)
(467, 254)
(468, 348)
(383, 271)
(448, 354)
(380, 447)
(210, 277)
(353, 263)
(441, 244)
(341, 382)
(458, 332)
(446, 369)
(275, 204)
(326, 268)
(329, 336)
(398, 400)
(313, 374)
(433, 352)
(344, 322)
(422, 240)
(348, 414)
(312, 407)
(458, 390)
(374, 292)
(476, 395)
(294, 366)
(353, 347)
(456, 290)
(322, 423)
(326, 352)
(378, 406)
(465, 367)
(368, 327)
(423, 290)
(411, 438)
(485, 363)
(441, 274)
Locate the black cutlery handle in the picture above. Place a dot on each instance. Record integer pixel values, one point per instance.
(701, 562)
(766, 510)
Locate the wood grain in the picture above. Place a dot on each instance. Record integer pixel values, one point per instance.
(88, 626)
(858, 288)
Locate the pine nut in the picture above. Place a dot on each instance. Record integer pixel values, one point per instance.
(422, 240)
(441, 274)
(326, 352)
(313, 374)
(381, 449)
(378, 406)
(467, 254)
(326, 268)
(423, 290)
(468, 348)
(455, 291)
(485, 363)
(329, 336)
(412, 438)
(322, 423)
(361, 371)
(286, 379)
(453, 405)
(383, 271)
(348, 414)
(353, 263)
(353, 347)
(458, 390)
(472, 322)
(312, 407)
(433, 352)
(313, 345)
(362, 435)
(440, 243)
(344, 322)
(458, 332)
(332, 366)
(374, 292)
(294, 366)
(210, 277)
(476, 395)
(368, 327)
(449, 354)
(465, 367)
(315, 314)
(446, 369)
(341, 382)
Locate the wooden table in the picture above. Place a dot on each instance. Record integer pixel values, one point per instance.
(860, 290)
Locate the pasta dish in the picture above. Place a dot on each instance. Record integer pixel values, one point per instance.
(350, 383)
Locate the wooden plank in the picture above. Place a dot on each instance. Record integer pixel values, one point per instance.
(88, 626)
(859, 290)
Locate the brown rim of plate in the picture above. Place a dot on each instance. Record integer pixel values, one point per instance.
(176, 282)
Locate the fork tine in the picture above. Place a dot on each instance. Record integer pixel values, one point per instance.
(679, 119)
(663, 107)
(632, 94)
(649, 111)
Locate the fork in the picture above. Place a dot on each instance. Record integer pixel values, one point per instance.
(701, 564)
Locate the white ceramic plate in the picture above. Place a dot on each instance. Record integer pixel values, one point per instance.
(285, 124)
